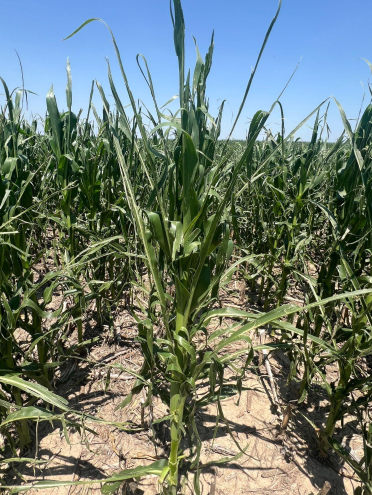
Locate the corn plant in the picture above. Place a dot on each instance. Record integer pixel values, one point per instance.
(187, 246)
(158, 201)
(361, 467)
(185, 237)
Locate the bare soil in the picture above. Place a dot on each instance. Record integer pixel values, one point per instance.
(274, 461)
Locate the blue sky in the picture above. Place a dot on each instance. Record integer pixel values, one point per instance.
(331, 36)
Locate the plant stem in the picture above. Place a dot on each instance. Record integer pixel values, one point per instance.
(177, 402)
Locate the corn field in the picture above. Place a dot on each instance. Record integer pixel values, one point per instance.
(157, 212)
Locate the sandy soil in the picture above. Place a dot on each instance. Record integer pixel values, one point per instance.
(281, 462)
